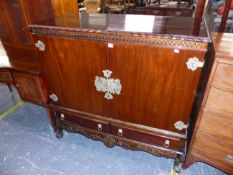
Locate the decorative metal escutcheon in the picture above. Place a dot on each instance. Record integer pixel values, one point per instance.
(108, 85)
(53, 97)
(194, 63)
(180, 125)
(229, 158)
(40, 45)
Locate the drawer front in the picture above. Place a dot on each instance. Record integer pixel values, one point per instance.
(157, 140)
(216, 151)
(95, 124)
(224, 76)
(220, 101)
(5, 76)
(217, 126)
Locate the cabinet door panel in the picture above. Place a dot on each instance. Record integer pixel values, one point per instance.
(31, 87)
(13, 27)
(70, 67)
(157, 87)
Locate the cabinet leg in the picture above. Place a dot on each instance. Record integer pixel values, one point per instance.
(59, 133)
(9, 86)
(178, 164)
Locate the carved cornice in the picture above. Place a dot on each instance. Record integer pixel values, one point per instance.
(133, 37)
(111, 140)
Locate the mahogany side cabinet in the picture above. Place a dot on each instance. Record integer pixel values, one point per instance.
(104, 76)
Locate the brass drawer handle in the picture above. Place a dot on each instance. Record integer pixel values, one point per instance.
(62, 117)
(166, 143)
(229, 158)
(120, 132)
(99, 126)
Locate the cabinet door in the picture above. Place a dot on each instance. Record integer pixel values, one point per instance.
(70, 67)
(157, 87)
(30, 87)
(13, 27)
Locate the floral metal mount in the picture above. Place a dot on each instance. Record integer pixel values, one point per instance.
(40, 45)
(180, 125)
(108, 85)
(194, 63)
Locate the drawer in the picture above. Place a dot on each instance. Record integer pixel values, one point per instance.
(220, 101)
(217, 126)
(215, 151)
(176, 144)
(95, 124)
(224, 76)
(5, 75)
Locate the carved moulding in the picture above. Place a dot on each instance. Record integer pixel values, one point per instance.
(111, 140)
(134, 37)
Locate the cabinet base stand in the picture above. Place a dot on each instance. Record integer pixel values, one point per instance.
(112, 140)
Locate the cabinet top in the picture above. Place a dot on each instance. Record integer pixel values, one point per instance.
(115, 24)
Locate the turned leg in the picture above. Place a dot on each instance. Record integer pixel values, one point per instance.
(177, 165)
(58, 131)
(9, 86)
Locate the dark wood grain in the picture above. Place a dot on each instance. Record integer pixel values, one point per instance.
(20, 57)
(37, 10)
(84, 121)
(30, 87)
(157, 87)
(70, 69)
(175, 144)
(13, 24)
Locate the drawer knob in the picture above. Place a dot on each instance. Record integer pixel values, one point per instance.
(40, 45)
(120, 132)
(62, 117)
(229, 158)
(99, 126)
(166, 143)
(194, 63)
(53, 97)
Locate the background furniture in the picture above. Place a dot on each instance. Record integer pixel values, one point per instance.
(213, 134)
